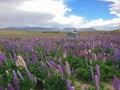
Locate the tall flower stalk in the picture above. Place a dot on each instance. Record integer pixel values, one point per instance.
(68, 71)
(97, 82)
(10, 87)
(116, 83)
(15, 79)
(92, 73)
(98, 71)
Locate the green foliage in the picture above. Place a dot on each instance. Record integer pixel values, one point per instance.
(55, 83)
(107, 70)
(118, 65)
(26, 84)
(81, 67)
(108, 51)
(83, 74)
(39, 73)
(2, 48)
(5, 79)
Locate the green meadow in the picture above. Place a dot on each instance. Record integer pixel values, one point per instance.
(20, 33)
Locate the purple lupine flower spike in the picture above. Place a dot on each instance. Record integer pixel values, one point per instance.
(16, 83)
(69, 87)
(28, 73)
(14, 73)
(43, 65)
(48, 74)
(97, 82)
(49, 64)
(28, 59)
(15, 56)
(10, 87)
(68, 69)
(3, 58)
(1, 88)
(11, 58)
(98, 71)
(62, 65)
(35, 59)
(60, 70)
(44, 57)
(68, 83)
(31, 76)
(92, 73)
(116, 83)
(76, 52)
(20, 75)
(54, 63)
(41, 55)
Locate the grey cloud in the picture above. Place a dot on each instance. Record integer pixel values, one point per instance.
(9, 16)
(114, 7)
(8, 5)
(24, 19)
(110, 26)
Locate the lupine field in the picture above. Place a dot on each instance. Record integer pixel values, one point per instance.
(57, 63)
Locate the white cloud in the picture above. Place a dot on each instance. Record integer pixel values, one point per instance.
(104, 24)
(114, 7)
(51, 13)
(55, 7)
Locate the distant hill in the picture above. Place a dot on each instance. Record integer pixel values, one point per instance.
(31, 28)
(117, 30)
(88, 29)
(67, 29)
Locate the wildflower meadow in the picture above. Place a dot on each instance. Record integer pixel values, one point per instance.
(89, 62)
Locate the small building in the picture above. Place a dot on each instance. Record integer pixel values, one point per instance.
(73, 35)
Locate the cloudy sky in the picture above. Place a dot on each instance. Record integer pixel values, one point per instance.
(98, 14)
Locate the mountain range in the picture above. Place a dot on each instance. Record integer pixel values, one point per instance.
(67, 29)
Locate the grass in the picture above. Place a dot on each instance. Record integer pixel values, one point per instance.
(84, 33)
(18, 33)
(82, 85)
